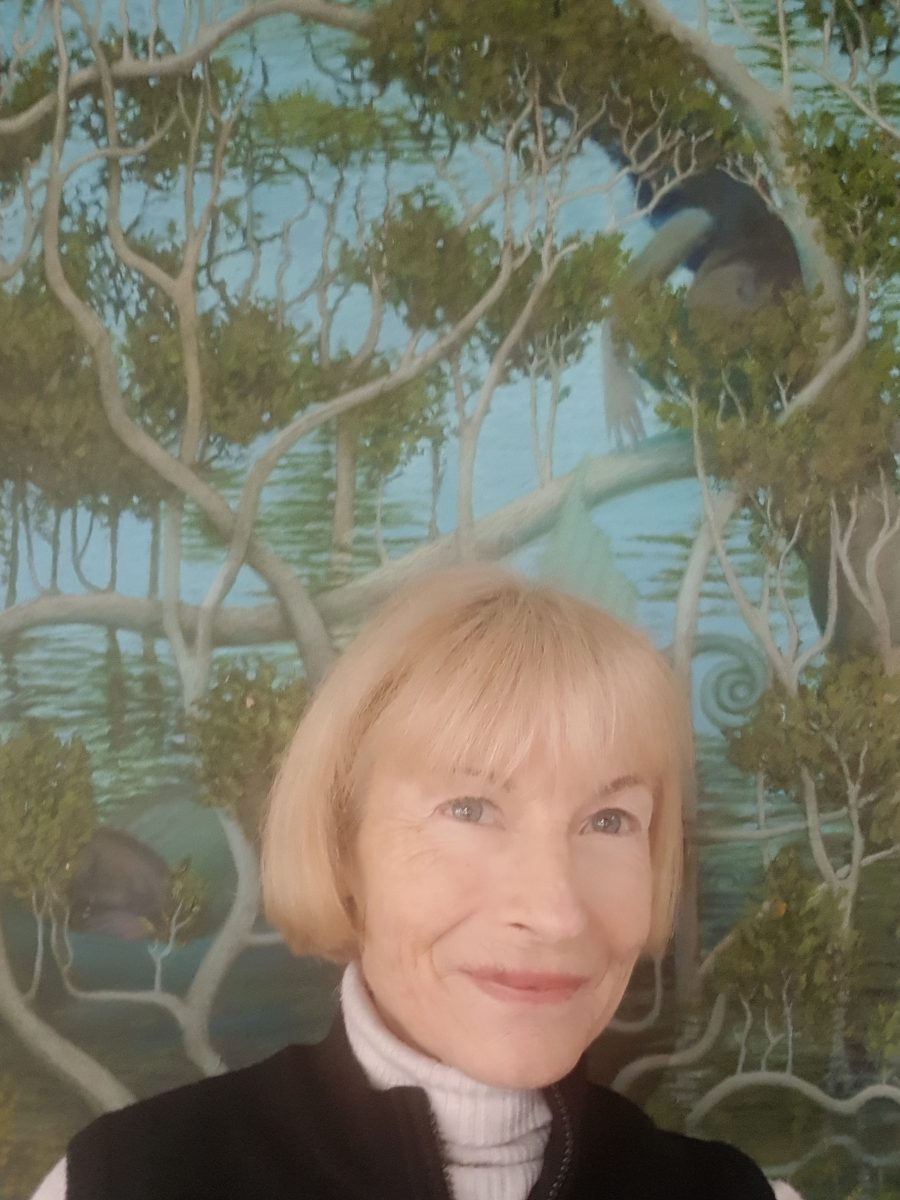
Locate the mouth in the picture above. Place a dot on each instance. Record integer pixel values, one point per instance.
(526, 987)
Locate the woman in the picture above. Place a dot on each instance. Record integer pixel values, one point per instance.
(480, 813)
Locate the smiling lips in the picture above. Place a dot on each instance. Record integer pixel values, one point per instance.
(526, 987)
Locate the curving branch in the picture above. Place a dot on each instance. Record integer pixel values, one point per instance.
(870, 595)
(93, 1082)
(756, 618)
(783, 829)
(659, 459)
(641, 1024)
(131, 70)
(847, 1142)
(687, 610)
(847, 1107)
(193, 1011)
(301, 614)
(841, 358)
(232, 938)
(9, 267)
(677, 1058)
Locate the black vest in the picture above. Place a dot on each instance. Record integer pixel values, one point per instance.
(306, 1125)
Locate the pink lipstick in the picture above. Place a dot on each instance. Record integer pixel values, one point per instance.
(526, 987)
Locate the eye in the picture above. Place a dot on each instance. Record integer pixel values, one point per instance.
(470, 809)
(612, 821)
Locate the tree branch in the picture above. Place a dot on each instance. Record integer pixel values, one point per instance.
(127, 69)
(833, 366)
(658, 459)
(847, 1107)
(678, 1058)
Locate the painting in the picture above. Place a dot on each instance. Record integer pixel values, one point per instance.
(302, 298)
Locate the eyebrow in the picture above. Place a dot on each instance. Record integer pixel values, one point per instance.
(619, 784)
(474, 773)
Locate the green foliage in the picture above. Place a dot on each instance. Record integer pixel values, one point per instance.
(435, 269)
(576, 299)
(239, 731)
(731, 360)
(820, 454)
(7, 1119)
(883, 1038)
(47, 812)
(185, 897)
(743, 370)
(188, 107)
(250, 365)
(845, 715)
(870, 25)
(338, 133)
(852, 179)
(792, 948)
(254, 386)
(54, 433)
(392, 428)
(471, 67)
(144, 106)
(35, 78)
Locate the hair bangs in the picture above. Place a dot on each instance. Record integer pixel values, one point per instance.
(481, 695)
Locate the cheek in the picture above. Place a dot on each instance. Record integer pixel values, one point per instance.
(619, 896)
(409, 890)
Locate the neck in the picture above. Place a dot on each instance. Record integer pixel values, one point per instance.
(493, 1138)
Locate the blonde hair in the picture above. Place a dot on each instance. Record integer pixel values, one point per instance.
(472, 662)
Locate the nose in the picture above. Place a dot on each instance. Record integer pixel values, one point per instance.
(540, 891)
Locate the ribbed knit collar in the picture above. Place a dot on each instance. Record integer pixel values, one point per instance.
(493, 1138)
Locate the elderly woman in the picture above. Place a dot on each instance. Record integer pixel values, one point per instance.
(479, 813)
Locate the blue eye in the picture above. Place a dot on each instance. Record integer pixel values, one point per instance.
(466, 808)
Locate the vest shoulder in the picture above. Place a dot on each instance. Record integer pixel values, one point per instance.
(670, 1160)
(231, 1134)
(204, 1099)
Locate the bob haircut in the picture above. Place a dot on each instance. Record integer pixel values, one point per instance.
(469, 664)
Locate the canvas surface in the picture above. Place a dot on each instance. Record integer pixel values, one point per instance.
(300, 299)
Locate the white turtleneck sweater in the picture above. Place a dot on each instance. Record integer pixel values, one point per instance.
(493, 1138)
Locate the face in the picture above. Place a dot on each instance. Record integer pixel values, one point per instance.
(502, 919)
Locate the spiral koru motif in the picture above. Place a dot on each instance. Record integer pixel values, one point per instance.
(733, 686)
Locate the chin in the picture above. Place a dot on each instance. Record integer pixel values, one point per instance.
(520, 1070)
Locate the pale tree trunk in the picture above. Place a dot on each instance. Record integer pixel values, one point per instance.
(226, 946)
(687, 929)
(148, 644)
(465, 515)
(98, 1087)
(29, 544)
(437, 478)
(342, 528)
(55, 539)
(837, 1071)
(191, 685)
(114, 519)
(12, 566)
(116, 691)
